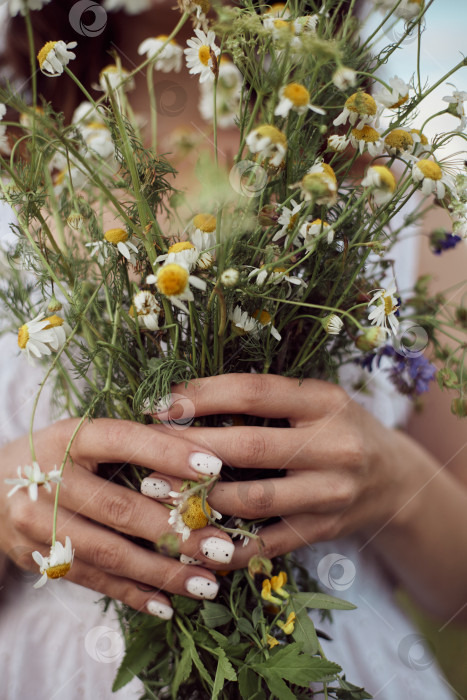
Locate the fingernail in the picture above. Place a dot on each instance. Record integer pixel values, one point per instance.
(184, 559)
(205, 464)
(217, 549)
(202, 587)
(161, 610)
(155, 488)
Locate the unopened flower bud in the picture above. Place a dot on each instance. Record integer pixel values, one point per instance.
(259, 565)
(459, 407)
(230, 277)
(371, 338)
(54, 305)
(332, 324)
(268, 215)
(75, 221)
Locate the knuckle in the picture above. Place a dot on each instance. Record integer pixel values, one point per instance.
(257, 388)
(256, 498)
(269, 549)
(24, 516)
(105, 555)
(252, 449)
(113, 432)
(344, 493)
(119, 510)
(337, 398)
(354, 452)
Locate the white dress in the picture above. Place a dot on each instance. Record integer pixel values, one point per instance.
(55, 642)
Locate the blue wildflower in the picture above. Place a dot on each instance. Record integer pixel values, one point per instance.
(410, 375)
(441, 240)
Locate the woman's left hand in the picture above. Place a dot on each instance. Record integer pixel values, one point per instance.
(344, 471)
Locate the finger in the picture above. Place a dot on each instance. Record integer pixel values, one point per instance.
(128, 511)
(270, 396)
(300, 492)
(109, 552)
(110, 440)
(292, 532)
(313, 447)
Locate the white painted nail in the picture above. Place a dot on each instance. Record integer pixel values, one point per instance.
(184, 559)
(161, 610)
(202, 587)
(205, 464)
(217, 549)
(155, 488)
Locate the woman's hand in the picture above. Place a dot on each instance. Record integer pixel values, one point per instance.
(343, 470)
(93, 511)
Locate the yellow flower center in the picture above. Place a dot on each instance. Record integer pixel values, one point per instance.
(193, 514)
(204, 54)
(205, 222)
(204, 5)
(23, 336)
(387, 179)
(172, 279)
(367, 134)
(273, 134)
(44, 52)
(292, 221)
(402, 100)
(430, 169)
(400, 139)
(283, 26)
(60, 177)
(59, 570)
(183, 245)
(362, 103)
(116, 235)
(53, 321)
(423, 138)
(329, 172)
(389, 306)
(319, 222)
(297, 94)
(96, 125)
(109, 69)
(264, 317)
(280, 270)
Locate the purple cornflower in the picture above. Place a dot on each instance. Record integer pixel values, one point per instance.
(410, 375)
(441, 240)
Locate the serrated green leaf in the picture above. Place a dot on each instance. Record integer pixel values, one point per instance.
(183, 669)
(184, 605)
(221, 639)
(304, 632)
(247, 683)
(139, 653)
(215, 614)
(321, 601)
(257, 615)
(224, 672)
(290, 664)
(196, 659)
(245, 627)
(277, 686)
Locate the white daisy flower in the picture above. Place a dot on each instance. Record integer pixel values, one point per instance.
(344, 77)
(268, 142)
(168, 58)
(189, 513)
(147, 309)
(277, 9)
(131, 7)
(41, 336)
(359, 109)
(244, 323)
(68, 178)
(337, 143)
(368, 138)
(19, 6)
(319, 184)
(421, 143)
(4, 142)
(54, 56)
(99, 249)
(313, 230)
(119, 238)
(306, 24)
(32, 479)
(57, 564)
(332, 324)
(407, 9)
(183, 253)
(384, 305)
(2, 110)
(264, 320)
(275, 275)
(281, 29)
(86, 113)
(382, 181)
(116, 77)
(230, 277)
(295, 96)
(202, 231)
(198, 55)
(173, 281)
(98, 139)
(433, 180)
(397, 95)
(399, 142)
(288, 220)
(458, 98)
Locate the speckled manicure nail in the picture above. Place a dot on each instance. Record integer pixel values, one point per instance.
(217, 549)
(161, 610)
(205, 464)
(184, 559)
(155, 488)
(202, 587)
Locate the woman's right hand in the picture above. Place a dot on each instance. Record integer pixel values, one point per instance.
(93, 511)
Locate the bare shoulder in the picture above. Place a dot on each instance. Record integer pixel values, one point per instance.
(442, 433)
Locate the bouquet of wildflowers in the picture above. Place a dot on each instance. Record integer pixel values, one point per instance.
(281, 265)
